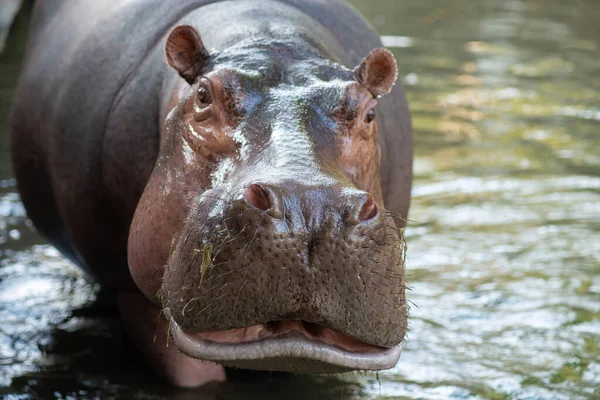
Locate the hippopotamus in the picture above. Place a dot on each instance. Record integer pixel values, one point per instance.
(237, 173)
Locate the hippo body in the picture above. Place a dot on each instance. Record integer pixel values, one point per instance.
(130, 165)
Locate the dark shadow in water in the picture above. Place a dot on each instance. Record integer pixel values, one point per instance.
(90, 356)
(10, 64)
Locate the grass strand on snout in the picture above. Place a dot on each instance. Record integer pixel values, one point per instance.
(206, 258)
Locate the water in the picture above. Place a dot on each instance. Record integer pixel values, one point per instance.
(504, 243)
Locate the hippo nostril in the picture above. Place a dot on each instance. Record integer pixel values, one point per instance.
(369, 210)
(258, 197)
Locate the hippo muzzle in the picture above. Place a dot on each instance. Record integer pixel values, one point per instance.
(288, 277)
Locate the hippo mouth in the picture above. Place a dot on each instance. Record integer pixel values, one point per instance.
(288, 346)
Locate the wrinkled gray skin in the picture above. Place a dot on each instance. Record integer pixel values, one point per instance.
(286, 216)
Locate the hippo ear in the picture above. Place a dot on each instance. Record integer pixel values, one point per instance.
(377, 73)
(186, 53)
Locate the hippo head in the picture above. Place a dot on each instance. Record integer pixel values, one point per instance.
(262, 231)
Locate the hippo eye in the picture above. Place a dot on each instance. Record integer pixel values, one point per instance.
(204, 96)
(370, 116)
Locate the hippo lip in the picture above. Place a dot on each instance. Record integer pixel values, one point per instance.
(265, 345)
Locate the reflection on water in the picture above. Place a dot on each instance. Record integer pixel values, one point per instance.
(504, 247)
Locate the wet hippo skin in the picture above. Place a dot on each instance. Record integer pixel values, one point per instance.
(236, 171)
